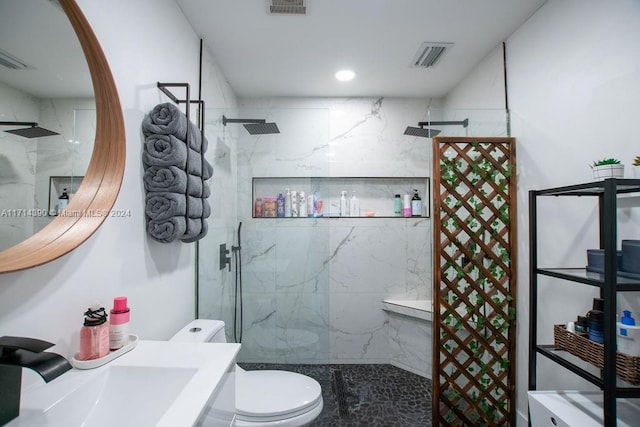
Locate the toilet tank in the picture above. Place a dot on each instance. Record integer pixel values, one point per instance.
(201, 330)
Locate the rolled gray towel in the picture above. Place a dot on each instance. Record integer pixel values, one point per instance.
(167, 230)
(197, 229)
(173, 179)
(164, 205)
(167, 119)
(167, 150)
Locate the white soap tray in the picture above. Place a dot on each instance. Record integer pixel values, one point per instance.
(94, 363)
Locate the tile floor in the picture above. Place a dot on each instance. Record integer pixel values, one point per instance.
(366, 395)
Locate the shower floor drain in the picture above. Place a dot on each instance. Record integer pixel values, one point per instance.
(340, 389)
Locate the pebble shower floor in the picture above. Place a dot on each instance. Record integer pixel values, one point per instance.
(366, 395)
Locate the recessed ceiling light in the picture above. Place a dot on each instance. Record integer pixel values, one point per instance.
(345, 75)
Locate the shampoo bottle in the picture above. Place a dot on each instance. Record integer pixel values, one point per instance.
(287, 204)
(63, 201)
(354, 205)
(119, 324)
(397, 205)
(280, 206)
(294, 204)
(94, 335)
(416, 204)
(344, 205)
(302, 204)
(406, 206)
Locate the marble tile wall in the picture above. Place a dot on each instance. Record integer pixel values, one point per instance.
(313, 288)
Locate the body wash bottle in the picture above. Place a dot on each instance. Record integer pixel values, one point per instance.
(344, 207)
(302, 204)
(406, 206)
(94, 335)
(287, 204)
(294, 204)
(416, 204)
(119, 324)
(354, 205)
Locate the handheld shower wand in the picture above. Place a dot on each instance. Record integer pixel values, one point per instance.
(237, 323)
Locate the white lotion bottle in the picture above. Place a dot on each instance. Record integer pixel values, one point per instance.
(354, 205)
(302, 204)
(294, 203)
(344, 205)
(287, 204)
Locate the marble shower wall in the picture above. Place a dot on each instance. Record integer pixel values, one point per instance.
(313, 288)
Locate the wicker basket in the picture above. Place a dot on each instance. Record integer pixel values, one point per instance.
(627, 367)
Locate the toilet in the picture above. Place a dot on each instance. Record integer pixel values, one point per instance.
(263, 398)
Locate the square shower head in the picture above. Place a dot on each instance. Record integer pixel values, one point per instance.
(421, 132)
(261, 128)
(32, 132)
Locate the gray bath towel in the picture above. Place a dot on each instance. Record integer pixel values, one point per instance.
(167, 119)
(167, 150)
(196, 230)
(163, 205)
(167, 230)
(174, 179)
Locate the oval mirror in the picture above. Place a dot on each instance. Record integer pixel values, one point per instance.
(95, 195)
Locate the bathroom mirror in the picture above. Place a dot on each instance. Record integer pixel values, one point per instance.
(47, 113)
(102, 179)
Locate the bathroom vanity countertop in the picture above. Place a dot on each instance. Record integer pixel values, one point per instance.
(198, 369)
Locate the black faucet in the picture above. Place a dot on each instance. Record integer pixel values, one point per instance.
(17, 353)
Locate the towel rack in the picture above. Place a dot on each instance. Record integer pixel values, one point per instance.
(188, 101)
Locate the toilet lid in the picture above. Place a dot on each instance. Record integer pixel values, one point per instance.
(262, 394)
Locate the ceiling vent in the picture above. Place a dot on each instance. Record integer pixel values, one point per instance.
(289, 7)
(10, 61)
(429, 54)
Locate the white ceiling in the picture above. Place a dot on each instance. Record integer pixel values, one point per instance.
(296, 55)
(39, 33)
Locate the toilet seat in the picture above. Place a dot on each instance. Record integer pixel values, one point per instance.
(276, 398)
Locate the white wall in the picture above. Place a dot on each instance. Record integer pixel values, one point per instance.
(574, 83)
(151, 42)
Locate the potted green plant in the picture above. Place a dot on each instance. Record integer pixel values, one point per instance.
(607, 168)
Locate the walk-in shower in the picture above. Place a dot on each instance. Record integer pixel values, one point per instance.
(31, 131)
(254, 126)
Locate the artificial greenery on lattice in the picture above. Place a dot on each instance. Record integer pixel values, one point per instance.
(475, 307)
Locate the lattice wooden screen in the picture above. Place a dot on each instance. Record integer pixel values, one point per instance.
(475, 281)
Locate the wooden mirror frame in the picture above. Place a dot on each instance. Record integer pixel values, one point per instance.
(100, 187)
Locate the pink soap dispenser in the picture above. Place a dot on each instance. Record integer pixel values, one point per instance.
(119, 324)
(94, 335)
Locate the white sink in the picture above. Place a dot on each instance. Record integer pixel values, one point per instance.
(157, 383)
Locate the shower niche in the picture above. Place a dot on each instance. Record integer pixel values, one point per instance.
(322, 196)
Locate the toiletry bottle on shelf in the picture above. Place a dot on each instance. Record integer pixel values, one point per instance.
(311, 202)
(258, 210)
(595, 321)
(397, 205)
(628, 335)
(63, 200)
(318, 206)
(354, 205)
(294, 204)
(94, 335)
(406, 206)
(416, 204)
(119, 324)
(287, 204)
(302, 204)
(344, 204)
(280, 206)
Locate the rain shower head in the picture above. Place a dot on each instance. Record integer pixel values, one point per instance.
(254, 126)
(32, 131)
(430, 133)
(421, 132)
